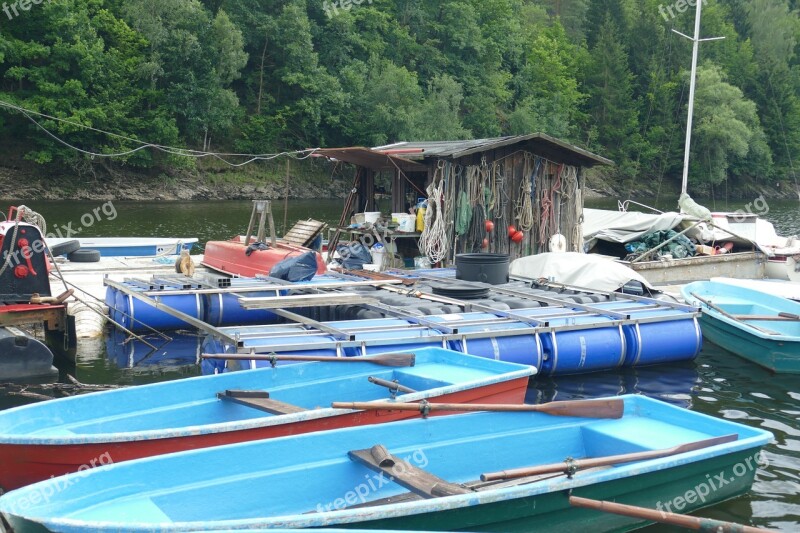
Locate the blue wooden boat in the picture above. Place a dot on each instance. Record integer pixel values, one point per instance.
(61, 436)
(753, 324)
(131, 246)
(446, 473)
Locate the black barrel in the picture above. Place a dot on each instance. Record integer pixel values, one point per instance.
(486, 268)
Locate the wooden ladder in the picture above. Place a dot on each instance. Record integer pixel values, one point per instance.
(262, 209)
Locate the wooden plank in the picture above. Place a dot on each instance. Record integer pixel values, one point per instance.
(307, 230)
(259, 399)
(403, 473)
(308, 226)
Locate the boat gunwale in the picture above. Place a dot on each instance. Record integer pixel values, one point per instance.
(524, 371)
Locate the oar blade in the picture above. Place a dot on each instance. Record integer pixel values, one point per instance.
(602, 408)
(394, 359)
(705, 443)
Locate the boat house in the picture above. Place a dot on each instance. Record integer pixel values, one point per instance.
(519, 195)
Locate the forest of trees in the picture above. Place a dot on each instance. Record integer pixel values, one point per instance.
(259, 76)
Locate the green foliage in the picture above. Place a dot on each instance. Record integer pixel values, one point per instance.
(267, 75)
(614, 110)
(728, 129)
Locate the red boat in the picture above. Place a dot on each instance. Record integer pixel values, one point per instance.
(71, 434)
(231, 257)
(254, 254)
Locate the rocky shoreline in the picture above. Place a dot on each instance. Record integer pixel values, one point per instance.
(23, 184)
(26, 183)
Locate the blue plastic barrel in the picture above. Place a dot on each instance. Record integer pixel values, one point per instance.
(110, 301)
(583, 350)
(226, 310)
(399, 340)
(215, 346)
(139, 316)
(525, 348)
(182, 350)
(662, 342)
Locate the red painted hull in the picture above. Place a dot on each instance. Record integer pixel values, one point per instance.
(22, 465)
(230, 257)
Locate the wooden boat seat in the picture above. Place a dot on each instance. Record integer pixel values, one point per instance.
(259, 399)
(415, 479)
(304, 232)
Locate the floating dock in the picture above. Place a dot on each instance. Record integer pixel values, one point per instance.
(558, 330)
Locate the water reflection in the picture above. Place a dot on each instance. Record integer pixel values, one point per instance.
(182, 350)
(675, 384)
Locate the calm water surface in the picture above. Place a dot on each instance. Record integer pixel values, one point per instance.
(717, 383)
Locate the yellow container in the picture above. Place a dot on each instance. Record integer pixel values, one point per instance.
(420, 219)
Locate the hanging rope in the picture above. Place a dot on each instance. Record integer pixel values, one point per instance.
(572, 219)
(524, 207)
(477, 230)
(433, 241)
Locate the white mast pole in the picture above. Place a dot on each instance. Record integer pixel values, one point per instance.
(696, 40)
(692, 83)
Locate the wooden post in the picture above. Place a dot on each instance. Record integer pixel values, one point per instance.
(286, 198)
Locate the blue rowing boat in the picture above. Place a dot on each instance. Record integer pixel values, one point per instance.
(57, 437)
(131, 246)
(471, 472)
(753, 324)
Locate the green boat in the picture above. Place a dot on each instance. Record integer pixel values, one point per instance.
(756, 325)
(472, 472)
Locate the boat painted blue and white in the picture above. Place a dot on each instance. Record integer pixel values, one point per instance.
(756, 325)
(431, 474)
(60, 436)
(131, 246)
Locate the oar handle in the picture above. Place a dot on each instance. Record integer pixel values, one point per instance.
(664, 517)
(387, 359)
(391, 385)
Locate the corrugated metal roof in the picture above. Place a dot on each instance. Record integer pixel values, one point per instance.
(371, 159)
(539, 143)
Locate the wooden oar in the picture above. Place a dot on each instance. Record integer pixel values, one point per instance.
(724, 313)
(570, 466)
(606, 408)
(387, 359)
(780, 317)
(391, 385)
(688, 522)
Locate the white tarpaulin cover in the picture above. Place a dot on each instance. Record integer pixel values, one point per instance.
(624, 226)
(573, 268)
